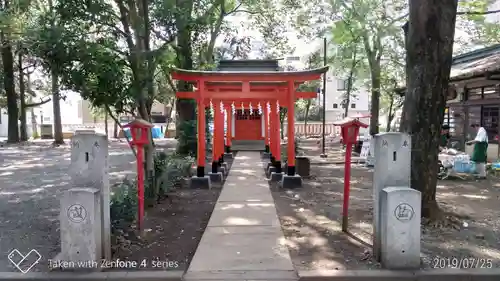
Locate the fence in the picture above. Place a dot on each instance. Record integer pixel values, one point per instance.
(313, 129)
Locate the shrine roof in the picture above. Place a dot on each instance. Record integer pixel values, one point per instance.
(248, 65)
(253, 75)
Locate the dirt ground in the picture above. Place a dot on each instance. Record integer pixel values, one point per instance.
(173, 230)
(311, 220)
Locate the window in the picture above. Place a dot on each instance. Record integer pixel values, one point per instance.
(490, 120)
(335, 105)
(353, 105)
(490, 93)
(474, 94)
(341, 85)
(454, 117)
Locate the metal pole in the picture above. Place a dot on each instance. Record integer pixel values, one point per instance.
(323, 154)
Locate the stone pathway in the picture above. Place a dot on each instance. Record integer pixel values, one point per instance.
(243, 239)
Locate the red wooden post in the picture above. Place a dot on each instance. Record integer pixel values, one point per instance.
(139, 129)
(200, 170)
(291, 129)
(347, 187)
(229, 126)
(349, 131)
(215, 139)
(266, 126)
(276, 132)
(220, 125)
(140, 187)
(272, 141)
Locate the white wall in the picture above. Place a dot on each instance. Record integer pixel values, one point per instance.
(69, 113)
(359, 98)
(70, 109)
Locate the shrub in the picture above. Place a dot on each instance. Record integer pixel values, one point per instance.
(123, 205)
(187, 141)
(170, 169)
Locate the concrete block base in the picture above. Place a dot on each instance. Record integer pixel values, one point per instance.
(223, 170)
(216, 177)
(276, 177)
(228, 155)
(266, 155)
(291, 182)
(269, 164)
(200, 182)
(270, 170)
(226, 166)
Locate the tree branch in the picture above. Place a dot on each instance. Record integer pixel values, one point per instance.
(110, 113)
(28, 105)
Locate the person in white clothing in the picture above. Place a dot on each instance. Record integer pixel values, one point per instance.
(479, 154)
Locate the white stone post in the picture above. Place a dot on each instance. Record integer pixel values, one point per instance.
(392, 168)
(400, 228)
(89, 168)
(80, 218)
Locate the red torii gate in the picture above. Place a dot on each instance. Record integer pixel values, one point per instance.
(224, 88)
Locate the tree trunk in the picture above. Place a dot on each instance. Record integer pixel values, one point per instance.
(375, 104)
(9, 86)
(390, 115)
(429, 58)
(115, 130)
(186, 109)
(403, 122)
(349, 83)
(106, 122)
(22, 91)
(58, 135)
(34, 125)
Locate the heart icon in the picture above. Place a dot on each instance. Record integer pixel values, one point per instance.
(24, 262)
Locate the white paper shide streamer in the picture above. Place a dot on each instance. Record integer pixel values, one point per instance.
(211, 109)
(233, 108)
(260, 108)
(251, 109)
(221, 107)
(242, 107)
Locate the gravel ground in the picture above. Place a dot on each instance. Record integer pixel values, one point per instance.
(32, 178)
(311, 220)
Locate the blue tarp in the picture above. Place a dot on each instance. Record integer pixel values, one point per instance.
(156, 132)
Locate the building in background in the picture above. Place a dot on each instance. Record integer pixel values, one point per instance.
(336, 89)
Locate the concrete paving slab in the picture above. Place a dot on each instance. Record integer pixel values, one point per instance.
(246, 230)
(240, 193)
(228, 252)
(243, 213)
(243, 239)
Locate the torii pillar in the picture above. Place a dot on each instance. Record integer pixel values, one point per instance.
(229, 132)
(277, 174)
(266, 129)
(216, 176)
(290, 179)
(201, 180)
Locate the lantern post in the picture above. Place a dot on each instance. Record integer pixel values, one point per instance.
(139, 130)
(349, 130)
